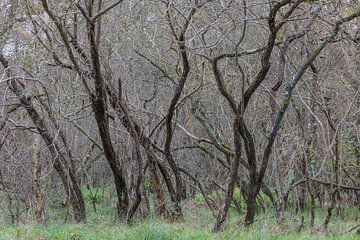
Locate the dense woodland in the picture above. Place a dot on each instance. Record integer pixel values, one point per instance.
(247, 107)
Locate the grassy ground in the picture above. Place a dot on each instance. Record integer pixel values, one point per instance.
(197, 224)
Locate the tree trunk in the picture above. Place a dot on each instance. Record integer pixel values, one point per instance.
(99, 105)
(36, 171)
(136, 188)
(160, 205)
(233, 175)
(250, 207)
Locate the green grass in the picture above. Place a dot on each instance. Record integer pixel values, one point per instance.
(197, 224)
(155, 231)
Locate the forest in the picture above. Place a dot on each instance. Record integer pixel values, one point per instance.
(179, 119)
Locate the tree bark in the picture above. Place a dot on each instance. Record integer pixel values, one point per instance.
(36, 172)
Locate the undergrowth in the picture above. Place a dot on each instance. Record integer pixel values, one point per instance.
(197, 224)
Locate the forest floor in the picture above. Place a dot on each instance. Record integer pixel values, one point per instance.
(197, 225)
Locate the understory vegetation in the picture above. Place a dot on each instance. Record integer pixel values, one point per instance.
(196, 225)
